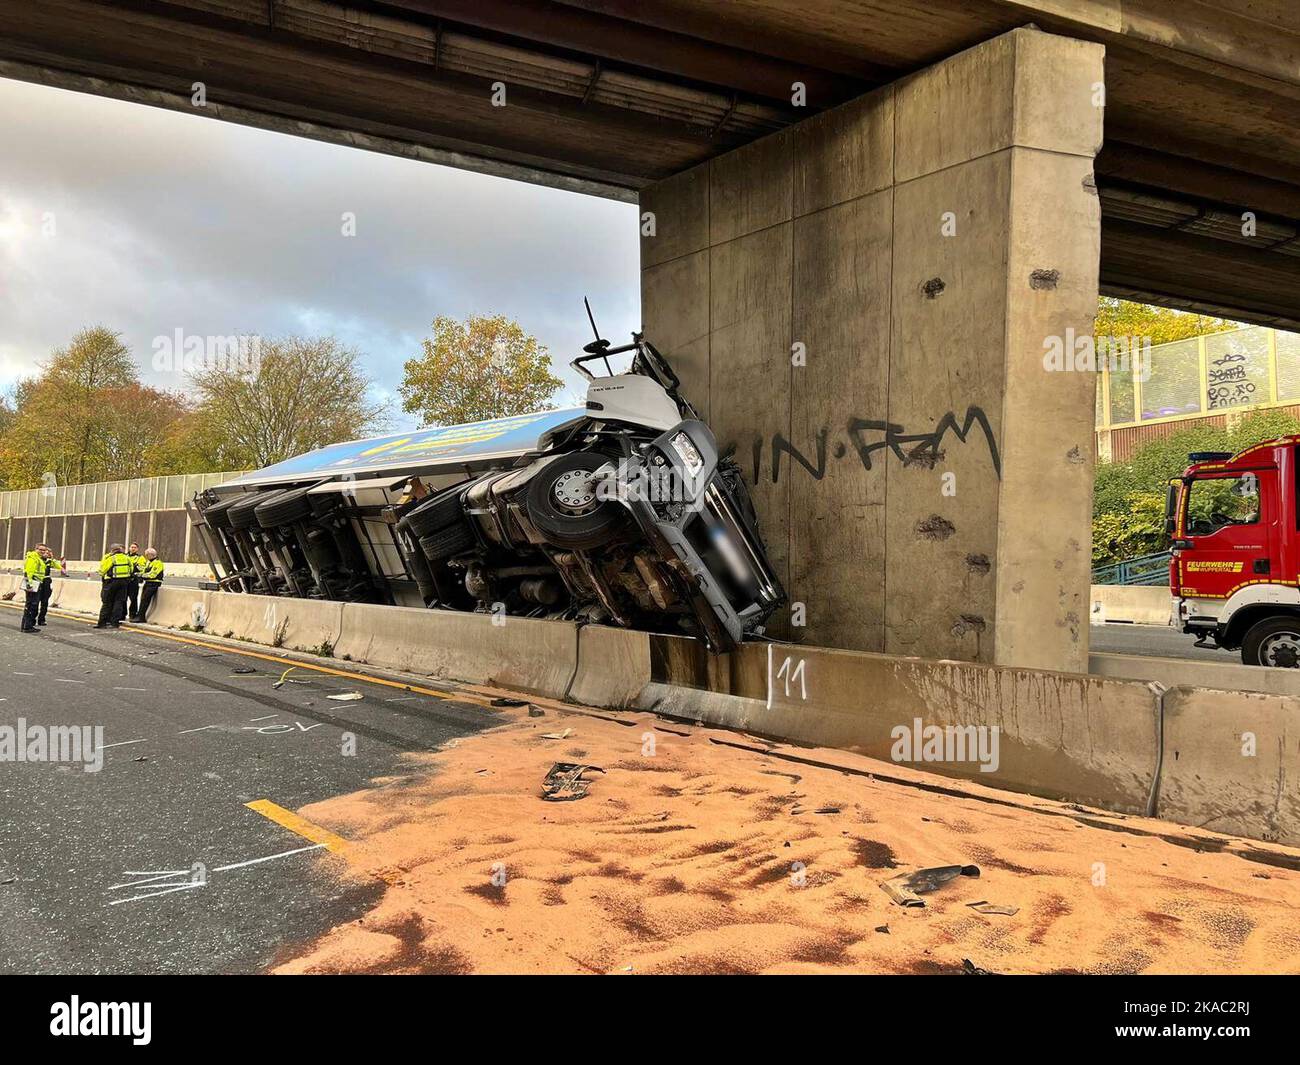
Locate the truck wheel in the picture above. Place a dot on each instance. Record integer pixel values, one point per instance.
(241, 515)
(284, 508)
(562, 504)
(445, 543)
(1273, 642)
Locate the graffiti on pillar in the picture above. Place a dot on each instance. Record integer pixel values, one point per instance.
(866, 437)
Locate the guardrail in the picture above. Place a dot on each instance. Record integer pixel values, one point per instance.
(1145, 569)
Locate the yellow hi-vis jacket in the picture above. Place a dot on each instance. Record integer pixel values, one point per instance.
(33, 571)
(138, 561)
(152, 571)
(118, 564)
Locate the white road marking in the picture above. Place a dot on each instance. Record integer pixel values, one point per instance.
(167, 890)
(267, 718)
(184, 731)
(130, 689)
(269, 857)
(152, 879)
(64, 680)
(120, 743)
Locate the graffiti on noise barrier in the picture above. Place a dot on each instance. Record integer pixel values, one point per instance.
(867, 436)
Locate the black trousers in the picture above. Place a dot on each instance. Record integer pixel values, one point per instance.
(47, 588)
(30, 606)
(132, 593)
(112, 601)
(147, 598)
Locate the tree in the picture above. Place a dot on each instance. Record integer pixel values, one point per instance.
(482, 368)
(1124, 318)
(84, 417)
(302, 393)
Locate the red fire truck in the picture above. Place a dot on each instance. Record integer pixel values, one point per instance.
(1235, 566)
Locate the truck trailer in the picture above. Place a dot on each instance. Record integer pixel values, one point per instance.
(620, 512)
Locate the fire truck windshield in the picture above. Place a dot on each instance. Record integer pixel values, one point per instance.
(1217, 502)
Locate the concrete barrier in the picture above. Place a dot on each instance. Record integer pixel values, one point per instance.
(176, 607)
(1131, 602)
(1230, 763)
(1068, 736)
(299, 624)
(1228, 675)
(76, 595)
(534, 656)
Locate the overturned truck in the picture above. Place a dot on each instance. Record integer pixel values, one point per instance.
(620, 513)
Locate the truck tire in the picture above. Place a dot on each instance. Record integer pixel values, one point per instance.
(1274, 641)
(284, 508)
(435, 514)
(445, 543)
(241, 514)
(563, 506)
(218, 515)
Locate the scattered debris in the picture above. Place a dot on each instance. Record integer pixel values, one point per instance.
(346, 697)
(557, 735)
(565, 782)
(536, 711)
(243, 670)
(7, 596)
(509, 702)
(883, 928)
(971, 969)
(280, 683)
(906, 889)
(984, 906)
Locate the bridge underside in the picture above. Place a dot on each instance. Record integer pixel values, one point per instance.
(610, 96)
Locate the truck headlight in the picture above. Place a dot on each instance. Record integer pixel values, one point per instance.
(688, 453)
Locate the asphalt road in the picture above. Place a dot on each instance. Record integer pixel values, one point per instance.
(1160, 640)
(189, 739)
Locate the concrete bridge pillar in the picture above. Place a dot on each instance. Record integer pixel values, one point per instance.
(861, 305)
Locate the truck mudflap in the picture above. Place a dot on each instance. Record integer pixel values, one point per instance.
(680, 499)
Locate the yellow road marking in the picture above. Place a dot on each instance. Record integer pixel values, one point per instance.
(458, 696)
(294, 823)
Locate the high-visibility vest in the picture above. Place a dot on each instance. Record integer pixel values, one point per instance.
(117, 564)
(33, 570)
(153, 571)
(138, 561)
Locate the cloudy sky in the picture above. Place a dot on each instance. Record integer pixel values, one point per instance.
(166, 221)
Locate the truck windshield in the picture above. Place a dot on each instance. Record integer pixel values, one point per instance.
(1217, 502)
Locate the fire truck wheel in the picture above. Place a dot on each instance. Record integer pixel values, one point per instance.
(1273, 642)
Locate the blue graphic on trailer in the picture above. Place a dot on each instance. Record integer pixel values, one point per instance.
(450, 444)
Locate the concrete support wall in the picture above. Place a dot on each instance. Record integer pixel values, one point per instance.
(923, 482)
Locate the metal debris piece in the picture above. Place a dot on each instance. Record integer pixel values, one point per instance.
(509, 702)
(280, 682)
(536, 711)
(971, 969)
(557, 735)
(346, 697)
(243, 670)
(984, 906)
(906, 888)
(564, 782)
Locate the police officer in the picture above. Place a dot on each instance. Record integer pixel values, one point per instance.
(117, 571)
(47, 585)
(33, 574)
(133, 587)
(152, 574)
